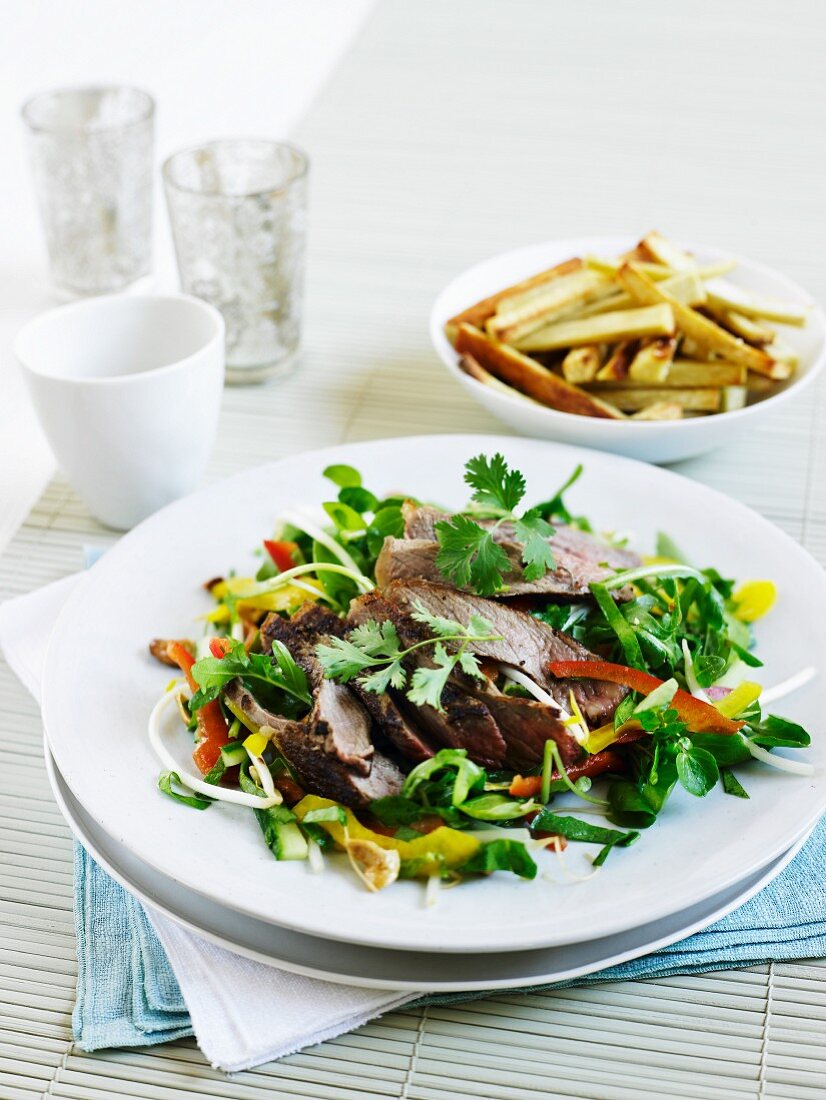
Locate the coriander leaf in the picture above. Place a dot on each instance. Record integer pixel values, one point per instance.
(444, 628)
(732, 785)
(479, 628)
(342, 660)
(392, 675)
(494, 483)
(376, 639)
(427, 684)
(469, 663)
(534, 533)
(697, 770)
(343, 476)
(165, 784)
(468, 555)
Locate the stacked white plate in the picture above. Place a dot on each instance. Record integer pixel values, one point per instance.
(212, 872)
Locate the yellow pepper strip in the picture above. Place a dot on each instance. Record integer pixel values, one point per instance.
(601, 738)
(285, 598)
(454, 847)
(256, 743)
(754, 599)
(239, 714)
(219, 615)
(737, 701)
(606, 735)
(656, 559)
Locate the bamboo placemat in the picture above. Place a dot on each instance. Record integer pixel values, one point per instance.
(451, 132)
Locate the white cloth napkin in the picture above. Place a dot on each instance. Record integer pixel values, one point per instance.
(243, 1012)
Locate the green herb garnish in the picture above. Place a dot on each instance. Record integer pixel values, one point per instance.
(373, 654)
(167, 783)
(278, 671)
(468, 553)
(574, 829)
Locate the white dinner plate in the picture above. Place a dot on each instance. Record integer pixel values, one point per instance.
(100, 684)
(655, 441)
(376, 967)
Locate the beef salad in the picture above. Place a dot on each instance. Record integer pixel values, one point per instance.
(443, 695)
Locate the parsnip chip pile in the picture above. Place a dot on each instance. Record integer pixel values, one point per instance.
(653, 335)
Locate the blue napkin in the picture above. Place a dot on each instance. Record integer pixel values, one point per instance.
(127, 994)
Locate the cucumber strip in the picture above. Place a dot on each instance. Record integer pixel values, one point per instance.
(233, 754)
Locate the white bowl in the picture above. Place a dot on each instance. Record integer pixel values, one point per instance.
(654, 441)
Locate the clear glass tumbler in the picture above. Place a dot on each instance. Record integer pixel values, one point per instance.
(238, 212)
(91, 153)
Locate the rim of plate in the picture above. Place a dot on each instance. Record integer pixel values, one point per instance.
(573, 246)
(373, 930)
(720, 906)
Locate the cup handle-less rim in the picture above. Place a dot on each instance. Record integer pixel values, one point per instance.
(29, 331)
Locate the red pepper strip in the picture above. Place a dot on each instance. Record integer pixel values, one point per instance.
(700, 717)
(529, 786)
(281, 553)
(211, 724)
(554, 840)
(219, 647)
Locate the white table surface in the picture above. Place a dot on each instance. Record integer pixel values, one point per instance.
(451, 131)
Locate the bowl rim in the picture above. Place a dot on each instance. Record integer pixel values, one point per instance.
(449, 358)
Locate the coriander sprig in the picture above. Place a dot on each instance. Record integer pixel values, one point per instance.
(373, 654)
(468, 553)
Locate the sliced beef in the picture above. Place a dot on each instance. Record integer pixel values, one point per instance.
(397, 727)
(589, 547)
(526, 643)
(415, 559)
(244, 701)
(465, 721)
(323, 773)
(420, 523)
(526, 724)
(314, 624)
(337, 715)
(581, 558)
(305, 744)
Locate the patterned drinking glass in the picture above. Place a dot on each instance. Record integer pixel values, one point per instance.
(91, 153)
(238, 214)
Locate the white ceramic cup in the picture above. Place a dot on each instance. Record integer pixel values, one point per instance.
(128, 390)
